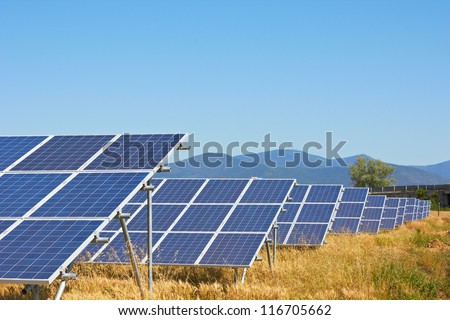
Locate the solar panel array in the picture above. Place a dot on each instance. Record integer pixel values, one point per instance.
(389, 218)
(373, 212)
(401, 212)
(308, 217)
(52, 203)
(200, 222)
(350, 210)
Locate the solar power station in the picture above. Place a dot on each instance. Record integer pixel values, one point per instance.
(350, 211)
(308, 216)
(373, 212)
(93, 198)
(201, 222)
(59, 192)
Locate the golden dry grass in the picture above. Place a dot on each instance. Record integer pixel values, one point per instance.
(412, 262)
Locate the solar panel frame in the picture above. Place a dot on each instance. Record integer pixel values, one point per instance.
(409, 210)
(401, 212)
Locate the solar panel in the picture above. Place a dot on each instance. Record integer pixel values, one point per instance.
(222, 191)
(409, 209)
(306, 222)
(21, 192)
(373, 212)
(205, 213)
(91, 195)
(63, 153)
(350, 210)
(233, 249)
(35, 251)
(401, 212)
(389, 218)
(13, 148)
(136, 152)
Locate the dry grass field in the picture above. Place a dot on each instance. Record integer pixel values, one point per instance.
(412, 262)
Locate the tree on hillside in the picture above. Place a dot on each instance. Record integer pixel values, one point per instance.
(371, 173)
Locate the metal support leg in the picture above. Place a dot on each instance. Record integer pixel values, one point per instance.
(149, 189)
(244, 273)
(36, 290)
(268, 254)
(236, 276)
(62, 285)
(132, 256)
(275, 240)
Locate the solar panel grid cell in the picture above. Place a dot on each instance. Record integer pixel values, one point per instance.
(13, 148)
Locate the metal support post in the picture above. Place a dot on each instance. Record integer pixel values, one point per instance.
(275, 241)
(236, 276)
(65, 277)
(36, 290)
(244, 273)
(132, 256)
(149, 189)
(268, 253)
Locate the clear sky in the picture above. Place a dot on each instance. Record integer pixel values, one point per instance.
(376, 73)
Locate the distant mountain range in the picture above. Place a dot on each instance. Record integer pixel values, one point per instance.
(333, 173)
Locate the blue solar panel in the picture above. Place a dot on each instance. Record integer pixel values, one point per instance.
(387, 224)
(373, 213)
(221, 191)
(355, 195)
(323, 194)
(390, 213)
(183, 249)
(163, 217)
(202, 218)
(252, 218)
(283, 231)
(141, 196)
(233, 250)
(298, 193)
(350, 210)
(178, 191)
(262, 191)
(21, 192)
(5, 224)
(392, 202)
(34, 251)
(13, 148)
(308, 234)
(117, 251)
(368, 226)
(137, 152)
(290, 214)
(346, 225)
(91, 195)
(216, 212)
(317, 213)
(63, 153)
(376, 201)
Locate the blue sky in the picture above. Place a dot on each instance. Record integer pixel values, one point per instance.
(376, 73)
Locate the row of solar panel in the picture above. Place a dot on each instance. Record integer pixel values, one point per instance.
(87, 152)
(214, 222)
(37, 238)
